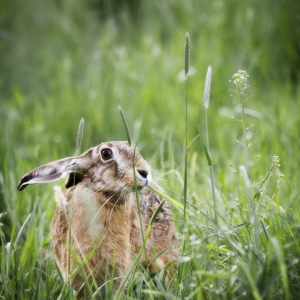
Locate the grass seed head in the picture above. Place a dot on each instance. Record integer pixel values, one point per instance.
(207, 87)
(60, 198)
(79, 136)
(186, 54)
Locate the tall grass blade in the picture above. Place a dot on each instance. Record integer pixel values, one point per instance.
(21, 230)
(79, 136)
(138, 203)
(36, 296)
(282, 267)
(186, 69)
(245, 176)
(78, 145)
(159, 254)
(145, 238)
(154, 215)
(170, 200)
(193, 140)
(264, 229)
(185, 186)
(206, 152)
(269, 284)
(209, 162)
(7, 254)
(125, 126)
(161, 288)
(249, 279)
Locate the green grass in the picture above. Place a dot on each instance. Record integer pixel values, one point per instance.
(62, 62)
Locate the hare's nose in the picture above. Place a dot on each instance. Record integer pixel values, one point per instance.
(143, 173)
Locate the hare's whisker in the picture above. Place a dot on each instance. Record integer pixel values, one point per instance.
(107, 201)
(102, 206)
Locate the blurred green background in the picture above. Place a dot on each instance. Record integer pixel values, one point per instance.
(64, 60)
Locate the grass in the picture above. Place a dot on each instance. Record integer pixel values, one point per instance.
(62, 67)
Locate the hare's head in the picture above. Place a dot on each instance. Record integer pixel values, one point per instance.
(107, 167)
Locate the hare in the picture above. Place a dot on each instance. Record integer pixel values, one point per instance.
(105, 224)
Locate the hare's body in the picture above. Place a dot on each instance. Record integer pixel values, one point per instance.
(115, 230)
(105, 225)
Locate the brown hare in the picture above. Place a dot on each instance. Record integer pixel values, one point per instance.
(100, 192)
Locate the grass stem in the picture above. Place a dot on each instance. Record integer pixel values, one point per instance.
(251, 201)
(206, 104)
(186, 68)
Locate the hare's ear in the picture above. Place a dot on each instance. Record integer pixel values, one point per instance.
(54, 171)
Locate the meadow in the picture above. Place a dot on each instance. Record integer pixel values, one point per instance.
(63, 61)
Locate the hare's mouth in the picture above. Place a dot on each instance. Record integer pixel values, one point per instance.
(139, 186)
(142, 183)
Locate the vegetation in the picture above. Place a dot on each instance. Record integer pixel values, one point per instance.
(61, 61)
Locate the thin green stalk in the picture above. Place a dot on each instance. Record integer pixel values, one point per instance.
(186, 69)
(241, 81)
(186, 153)
(251, 202)
(206, 104)
(215, 206)
(135, 184)
(154, 215)
(213, 191)
(184, 188)
(249, 190)
(138, 206)
(78, 144)
(207, 142)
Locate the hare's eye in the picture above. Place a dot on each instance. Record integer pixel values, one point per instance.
(106, 154)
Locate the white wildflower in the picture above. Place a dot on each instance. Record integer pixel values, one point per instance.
(240, 79)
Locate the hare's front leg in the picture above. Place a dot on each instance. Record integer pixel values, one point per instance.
(59, 234)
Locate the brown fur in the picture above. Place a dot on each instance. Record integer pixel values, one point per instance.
(109, 228)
